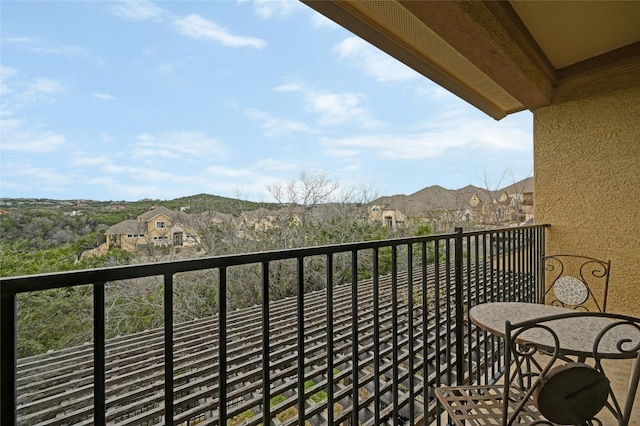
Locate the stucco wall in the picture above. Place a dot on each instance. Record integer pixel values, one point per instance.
(587, 175)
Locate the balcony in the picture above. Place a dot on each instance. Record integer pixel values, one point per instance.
(372, 329)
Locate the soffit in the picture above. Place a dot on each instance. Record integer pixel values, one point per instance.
(569, 32)
(501, 57)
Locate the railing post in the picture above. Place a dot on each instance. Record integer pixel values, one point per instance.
(459, 307)
(8, 355)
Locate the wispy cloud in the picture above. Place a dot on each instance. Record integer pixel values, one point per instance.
(6, 73)
(183, 145)
(24, 176)
(139, 10)
(373, 61)
(19, 94)
(275, 127)
(40, 46)
(275, 165)
(333, 108)
(192, 25)
(320, 21)
(104, 96)
(224, 171)
(268, 8)
(200, 28)
(435, 140)
(18, 137)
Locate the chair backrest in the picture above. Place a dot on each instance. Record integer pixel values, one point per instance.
(571, 392)
(577, 282)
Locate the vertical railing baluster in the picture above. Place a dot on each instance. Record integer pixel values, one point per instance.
(300, 328)
(543, 250)
(266, 348)
(486, 295)
(426, 397)
(376, 335)
(222, 346)
(480, 298)
(467, 296)
(330, 364)
(469, 291)
(531, 235)
(528, 265)
(99, 350)
(459, 307)
(168, 348)
(8, 355)
(355, 364)
(450, 327)
(394, 331)
(437, 321)
(410, 333)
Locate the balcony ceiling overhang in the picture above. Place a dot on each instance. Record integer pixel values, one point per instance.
(502, 57)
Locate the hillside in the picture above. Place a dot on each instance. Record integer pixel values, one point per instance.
(437, 198)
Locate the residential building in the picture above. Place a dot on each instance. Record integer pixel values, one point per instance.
(444, 209)
(158, 227)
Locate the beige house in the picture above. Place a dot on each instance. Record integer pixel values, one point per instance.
(387, 215)
(575, 66)
(443, 209)
(158, 227)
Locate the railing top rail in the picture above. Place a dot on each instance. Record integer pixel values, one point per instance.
(39, 282)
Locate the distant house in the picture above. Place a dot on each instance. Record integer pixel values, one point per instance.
(442, 208)
(157, 227)
(388, 216)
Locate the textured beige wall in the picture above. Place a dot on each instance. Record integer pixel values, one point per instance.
(587, 175)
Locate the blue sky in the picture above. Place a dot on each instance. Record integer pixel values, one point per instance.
(138, 99)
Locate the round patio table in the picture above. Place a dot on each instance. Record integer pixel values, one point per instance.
(576, 335)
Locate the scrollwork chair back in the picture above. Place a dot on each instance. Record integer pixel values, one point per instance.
(577, 282)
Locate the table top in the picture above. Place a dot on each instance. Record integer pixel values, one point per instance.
(576, 335)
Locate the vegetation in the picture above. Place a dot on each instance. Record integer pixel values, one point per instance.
(40, 236)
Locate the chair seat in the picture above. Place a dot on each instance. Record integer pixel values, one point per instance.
(483, 405)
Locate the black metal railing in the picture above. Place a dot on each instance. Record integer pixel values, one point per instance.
(369, 332)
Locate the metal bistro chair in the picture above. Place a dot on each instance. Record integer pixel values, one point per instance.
(577, 282)
(573, 393)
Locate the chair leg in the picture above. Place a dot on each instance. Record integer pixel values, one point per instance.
(633, 388)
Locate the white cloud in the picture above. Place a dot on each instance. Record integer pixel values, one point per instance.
(373, 61)
(275, 127)
(104, 96)
(320, 21)
(435, 140)
(23, 177)
(223, 171)
(176, 145)
(16, 137)
(37, 45)
(19, 95)
(267, 8)
(6, 73)
(343, 152)
(433, 91)
(275, 165)
(139, 10)
(333, 108)
(196, 26)
(83, 160)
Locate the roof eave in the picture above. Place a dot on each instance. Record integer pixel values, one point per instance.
(468, 48)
